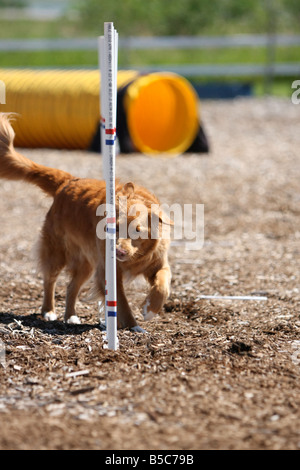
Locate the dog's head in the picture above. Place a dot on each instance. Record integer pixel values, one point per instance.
(140, 225)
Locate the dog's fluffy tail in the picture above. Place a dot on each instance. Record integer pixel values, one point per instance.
(14, 166)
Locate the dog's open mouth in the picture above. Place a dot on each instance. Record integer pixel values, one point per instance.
(121, 254)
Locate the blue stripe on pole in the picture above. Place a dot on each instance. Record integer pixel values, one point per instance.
(110, 230)
(111, 314)
(110, 142)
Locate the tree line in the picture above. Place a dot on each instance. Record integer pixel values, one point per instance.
(190, 17)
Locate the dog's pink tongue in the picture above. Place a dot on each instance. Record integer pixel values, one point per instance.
(121, 254)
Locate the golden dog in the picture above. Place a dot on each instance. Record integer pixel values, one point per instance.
(69, 235)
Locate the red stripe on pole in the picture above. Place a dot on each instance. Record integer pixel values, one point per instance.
(111, 220)
(111, 303)
(110, 131)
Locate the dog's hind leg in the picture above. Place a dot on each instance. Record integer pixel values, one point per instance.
(80, 272)
(52, 261)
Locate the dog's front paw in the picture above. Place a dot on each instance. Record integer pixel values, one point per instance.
(147, 312)
(138, 329)
(73, 320)
(50, 316)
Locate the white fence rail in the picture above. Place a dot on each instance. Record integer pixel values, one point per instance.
(270, 42)
(157, 42)
(230, 70)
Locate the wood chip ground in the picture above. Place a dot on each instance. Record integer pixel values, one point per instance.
(210, 374)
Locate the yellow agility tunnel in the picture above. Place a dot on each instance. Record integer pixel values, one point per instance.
(158, 112)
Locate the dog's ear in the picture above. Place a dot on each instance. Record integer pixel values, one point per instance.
(128, 190)
(163, 218)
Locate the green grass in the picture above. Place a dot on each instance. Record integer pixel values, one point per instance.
(210, 56)
(281, 87)
(147, 57)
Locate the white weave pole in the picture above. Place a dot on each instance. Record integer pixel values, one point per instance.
(108, 45)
